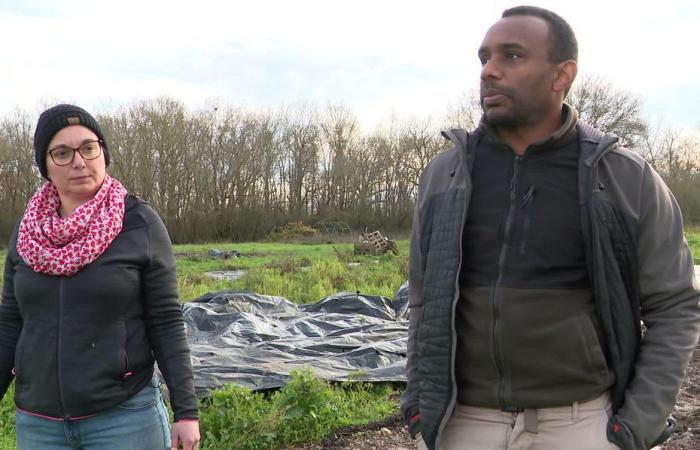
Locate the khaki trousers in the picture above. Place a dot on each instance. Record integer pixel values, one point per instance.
(581, 426)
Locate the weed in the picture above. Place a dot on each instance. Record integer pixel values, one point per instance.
(7, 419)
(305, 262)
(343, 254)
(305, 410)
(403, 266)
(284, 266)
(232, 415)
(693, 237)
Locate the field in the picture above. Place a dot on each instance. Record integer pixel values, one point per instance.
(302, 273)
(308, 409)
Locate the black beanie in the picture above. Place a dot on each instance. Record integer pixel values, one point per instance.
(54, 120)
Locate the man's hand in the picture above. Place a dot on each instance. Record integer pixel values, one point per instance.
(185, 433)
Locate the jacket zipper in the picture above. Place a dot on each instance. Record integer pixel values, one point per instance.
(496, 292)
(58, 352)
(526, 204)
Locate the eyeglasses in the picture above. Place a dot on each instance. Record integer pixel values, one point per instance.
(64, 155)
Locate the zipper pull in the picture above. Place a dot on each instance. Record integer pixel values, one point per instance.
(527, 198)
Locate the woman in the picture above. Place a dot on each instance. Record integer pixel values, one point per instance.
(89, 303)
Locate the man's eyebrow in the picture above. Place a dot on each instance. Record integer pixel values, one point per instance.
(511, 46)
(505, 46)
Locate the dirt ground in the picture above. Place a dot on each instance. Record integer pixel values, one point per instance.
(390, 434)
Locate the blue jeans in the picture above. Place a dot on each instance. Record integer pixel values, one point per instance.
(140, 423)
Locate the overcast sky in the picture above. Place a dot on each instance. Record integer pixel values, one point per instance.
(406, 58)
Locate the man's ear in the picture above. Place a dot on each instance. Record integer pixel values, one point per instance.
(566, 74)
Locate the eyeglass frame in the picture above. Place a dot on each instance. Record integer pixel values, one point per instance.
(66, 147)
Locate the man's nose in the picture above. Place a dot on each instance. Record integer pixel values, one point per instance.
(490, 69)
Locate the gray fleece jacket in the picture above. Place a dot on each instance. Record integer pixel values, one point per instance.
(640, 267)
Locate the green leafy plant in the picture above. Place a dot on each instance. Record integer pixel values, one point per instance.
(305, 410)
(7, 420)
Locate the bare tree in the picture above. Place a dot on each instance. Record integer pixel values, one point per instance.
(302, 140)
(465, 113)
(18, 177)
(609, 109)
(339, 127)
(225, 172)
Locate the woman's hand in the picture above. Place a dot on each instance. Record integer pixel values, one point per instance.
(185, 433)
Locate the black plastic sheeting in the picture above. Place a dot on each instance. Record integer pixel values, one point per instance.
(256, 340)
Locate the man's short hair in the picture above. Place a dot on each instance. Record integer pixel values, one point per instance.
(561, 36)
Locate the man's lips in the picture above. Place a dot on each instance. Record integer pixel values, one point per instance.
(492, 96)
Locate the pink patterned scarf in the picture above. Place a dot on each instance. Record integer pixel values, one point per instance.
(57, 245)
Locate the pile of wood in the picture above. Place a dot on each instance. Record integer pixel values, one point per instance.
(375, 243)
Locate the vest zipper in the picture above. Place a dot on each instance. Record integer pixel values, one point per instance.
(496, 293)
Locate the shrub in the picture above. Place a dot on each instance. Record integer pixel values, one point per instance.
(235, 417)
(291, 231)
(305, 410)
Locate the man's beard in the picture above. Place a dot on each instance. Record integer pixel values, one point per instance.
(514, 117)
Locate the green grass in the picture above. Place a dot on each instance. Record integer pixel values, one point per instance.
(692, 234)
(305, 410)
(7, 420)
(302, 273)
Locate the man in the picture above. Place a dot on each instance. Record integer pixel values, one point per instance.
(537, 246)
